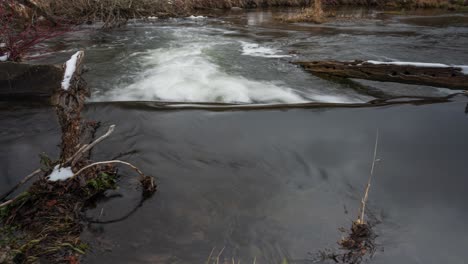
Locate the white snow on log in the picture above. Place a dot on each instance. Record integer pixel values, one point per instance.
(60, 174)
(196, 17)
(70, 68)
(255, 50)
(4, 57)
(464, 68)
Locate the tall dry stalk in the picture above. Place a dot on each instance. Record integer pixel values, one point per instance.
(362, 210)
(318, 11)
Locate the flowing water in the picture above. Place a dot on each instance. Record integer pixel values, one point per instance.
(245, 57)
(267, 184)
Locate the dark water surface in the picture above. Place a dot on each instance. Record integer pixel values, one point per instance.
(268, 184)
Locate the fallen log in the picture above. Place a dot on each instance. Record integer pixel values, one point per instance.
(69, 101)
(430, 74)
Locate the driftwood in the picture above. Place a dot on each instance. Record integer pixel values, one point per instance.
(447, 77)
(69, 104)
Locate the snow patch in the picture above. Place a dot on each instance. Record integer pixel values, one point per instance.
(152, 17)
(60, 174)
(70, 68)
(196, 17)
(4, 57)
(255, 50)
(2, 45)
(464, 68)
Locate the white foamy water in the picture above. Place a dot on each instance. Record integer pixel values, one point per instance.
(253, 49)
(184, 71)
(185, 74)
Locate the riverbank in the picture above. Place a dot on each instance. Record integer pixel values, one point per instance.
(116, 12)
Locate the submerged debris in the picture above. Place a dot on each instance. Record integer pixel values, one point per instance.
(359, 243)
(356, 247)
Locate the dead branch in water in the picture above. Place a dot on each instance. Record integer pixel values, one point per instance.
(362, 210)
(451, 77)
(106, 163)
(86, 148)
(72, 159)
(359, 241)
(23, 181)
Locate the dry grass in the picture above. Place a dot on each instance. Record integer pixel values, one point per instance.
(431, 3)
(313, 14)
(214, 258)
(117, 12)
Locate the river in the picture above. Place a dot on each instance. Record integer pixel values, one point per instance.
(266, 184)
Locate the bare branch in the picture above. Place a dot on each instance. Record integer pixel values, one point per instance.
(72, 159)
(23, 181)
(86, 148)
(366, 194)
(109, 162)
(7, 202)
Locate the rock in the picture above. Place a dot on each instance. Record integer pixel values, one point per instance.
(20, 81)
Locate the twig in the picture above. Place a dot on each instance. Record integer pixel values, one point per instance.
(219, 255)
(109, 162)
(86, 148)
(7, 202)
(360, 219)
(211, 254)
(73, 159)
(23, 181)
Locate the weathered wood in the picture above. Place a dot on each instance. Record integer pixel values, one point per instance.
(69, 104)
(19, 80)
(447, 77)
